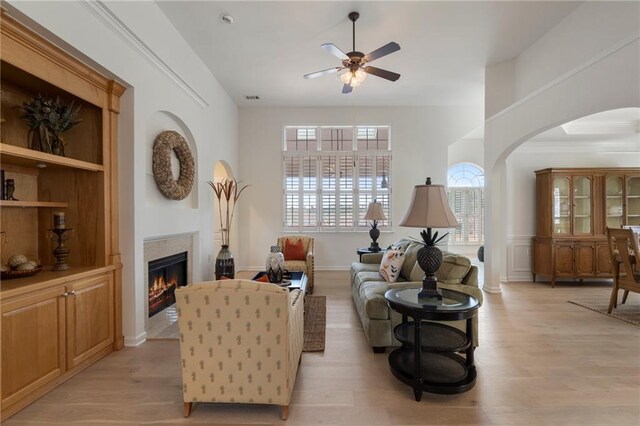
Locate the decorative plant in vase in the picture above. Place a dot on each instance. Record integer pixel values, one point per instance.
(228, 190)
(47, 120)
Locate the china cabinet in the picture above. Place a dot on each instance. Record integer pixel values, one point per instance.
(574, 206)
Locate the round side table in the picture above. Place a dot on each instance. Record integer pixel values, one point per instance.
(429, 359)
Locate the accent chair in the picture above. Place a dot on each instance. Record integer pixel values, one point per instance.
(304, 263)
(240, 342)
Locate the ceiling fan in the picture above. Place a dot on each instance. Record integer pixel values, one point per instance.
(355, 62)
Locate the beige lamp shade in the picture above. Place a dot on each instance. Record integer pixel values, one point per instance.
(374, 212)
(429, 208)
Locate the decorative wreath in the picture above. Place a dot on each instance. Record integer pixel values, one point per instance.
(164, 144)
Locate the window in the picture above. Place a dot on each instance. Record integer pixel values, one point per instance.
(331, 174)
(466, 199)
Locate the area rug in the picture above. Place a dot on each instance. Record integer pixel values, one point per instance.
(629, 312)
(315, 321)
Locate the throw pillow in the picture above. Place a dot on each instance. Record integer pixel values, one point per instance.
(294, 251)
(391, 265)
(263, 279)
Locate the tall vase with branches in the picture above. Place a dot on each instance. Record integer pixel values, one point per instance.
(227, 191)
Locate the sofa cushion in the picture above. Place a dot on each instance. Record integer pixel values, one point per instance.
(417, 274)
(391, 264)
(296, 265)
(453, 268)
(411, 257)
(372, 292)
(366, 276)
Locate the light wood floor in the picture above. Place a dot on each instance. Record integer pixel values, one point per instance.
(541, 360)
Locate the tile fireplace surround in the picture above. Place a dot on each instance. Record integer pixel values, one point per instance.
(158, 247)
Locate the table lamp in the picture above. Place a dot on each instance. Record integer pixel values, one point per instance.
(374, 213)
(429, 209)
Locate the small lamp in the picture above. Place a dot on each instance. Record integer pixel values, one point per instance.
(374, 213)
(429, 209)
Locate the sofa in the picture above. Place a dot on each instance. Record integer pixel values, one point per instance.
(240, 342)
(368, 288)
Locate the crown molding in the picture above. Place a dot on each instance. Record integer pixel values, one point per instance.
(601, 128)
(111, 21)
(602, 147)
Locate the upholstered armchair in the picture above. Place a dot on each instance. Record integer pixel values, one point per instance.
(298, 256)
(240, 342)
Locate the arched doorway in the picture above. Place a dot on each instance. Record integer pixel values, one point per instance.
(465, 191)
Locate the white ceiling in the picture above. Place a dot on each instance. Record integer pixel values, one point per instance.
(445, 47)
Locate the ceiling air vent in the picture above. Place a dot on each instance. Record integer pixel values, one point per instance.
(252, 97)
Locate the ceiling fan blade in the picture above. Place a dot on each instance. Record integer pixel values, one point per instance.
(382, 73)
(382, 51)
(346, 89)
(323, 72)
(333, 49)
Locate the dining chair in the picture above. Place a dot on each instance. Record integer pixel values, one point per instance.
(625, 264)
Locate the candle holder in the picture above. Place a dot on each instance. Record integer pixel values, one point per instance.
(61, 251)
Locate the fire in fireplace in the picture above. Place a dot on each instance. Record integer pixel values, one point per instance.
(165, 275)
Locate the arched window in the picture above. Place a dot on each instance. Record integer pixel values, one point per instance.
(466, 197)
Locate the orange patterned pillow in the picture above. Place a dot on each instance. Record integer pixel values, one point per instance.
(294, 251)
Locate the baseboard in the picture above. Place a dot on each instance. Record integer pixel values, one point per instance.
(135, 341)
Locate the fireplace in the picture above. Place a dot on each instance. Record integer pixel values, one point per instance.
(165, 275)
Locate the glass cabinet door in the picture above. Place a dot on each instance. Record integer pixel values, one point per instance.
(561, 205)
(633, 201)
(581, 205)
(613, 201)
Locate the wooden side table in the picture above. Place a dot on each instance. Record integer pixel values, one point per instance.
(428, 359)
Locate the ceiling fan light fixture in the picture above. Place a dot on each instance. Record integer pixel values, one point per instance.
(346, 77)
(353, 78)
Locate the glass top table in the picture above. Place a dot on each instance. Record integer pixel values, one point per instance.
(454, 305)
(429, 359)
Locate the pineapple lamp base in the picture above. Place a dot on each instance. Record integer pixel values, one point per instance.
(429, 259)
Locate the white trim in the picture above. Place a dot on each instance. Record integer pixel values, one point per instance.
(519, 258)
(563, 77)
(111, 21)
(610, 147)
(137, 340)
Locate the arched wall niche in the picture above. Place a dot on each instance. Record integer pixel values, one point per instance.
(158, 122)
(221, 171)
(607, 83)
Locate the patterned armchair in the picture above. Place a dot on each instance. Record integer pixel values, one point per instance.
(240, 342)
(307, 265)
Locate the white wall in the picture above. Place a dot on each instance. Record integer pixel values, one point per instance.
(521, 189)
(467, 151)
(419, 139)
(592, 28)
(135, 42)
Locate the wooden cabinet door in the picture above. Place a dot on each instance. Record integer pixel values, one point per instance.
(90, 321)
(564, 259)
(33, 349)
(603, 260)
(585, 259)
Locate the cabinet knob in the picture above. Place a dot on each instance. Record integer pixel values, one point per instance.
(72, 293)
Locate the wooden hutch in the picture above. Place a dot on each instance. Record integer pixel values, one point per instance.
(54, 324)
(574, 208)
